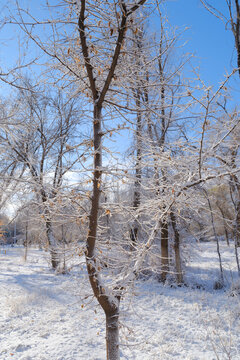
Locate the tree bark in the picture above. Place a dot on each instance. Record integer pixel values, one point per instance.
(49, 232)
(138, 169)
(53, 247)
(236, 33)
(224, 222)
(236, 186)
(108, 304)
(112, 335)
(179, 273)
(164, 225)
(26, 242)
(164, 251)
(221, 279)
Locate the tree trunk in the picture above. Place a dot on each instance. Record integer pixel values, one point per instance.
(53, 246)
(224, 222)
(237, 259)
(138, 169)
(164, 251)
(237, 224)
(26, 242)
(109, 304)
(177, 252)
(236, 186)
(236, 33)
(133, 235)
(220, 284)
(49, 232)
(112, 335)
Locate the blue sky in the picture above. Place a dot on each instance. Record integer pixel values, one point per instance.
(207, 39)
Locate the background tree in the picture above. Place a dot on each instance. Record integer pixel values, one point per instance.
(39, 146)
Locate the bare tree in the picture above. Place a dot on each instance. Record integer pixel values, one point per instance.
(93, 57)
(39, 145)
(109, 304)
(161, 120)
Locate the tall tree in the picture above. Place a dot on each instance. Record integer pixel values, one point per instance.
(93, 58)
(123, 16)
(39, 145)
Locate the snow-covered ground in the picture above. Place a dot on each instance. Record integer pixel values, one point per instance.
(44, 316)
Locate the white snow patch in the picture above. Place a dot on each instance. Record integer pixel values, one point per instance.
(46, 316)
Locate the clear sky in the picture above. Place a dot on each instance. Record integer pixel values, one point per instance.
(207, 38)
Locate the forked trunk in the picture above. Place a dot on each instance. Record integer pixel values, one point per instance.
(109, 303)
(112, 335)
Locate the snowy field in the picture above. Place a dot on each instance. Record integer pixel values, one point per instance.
(54, 317)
